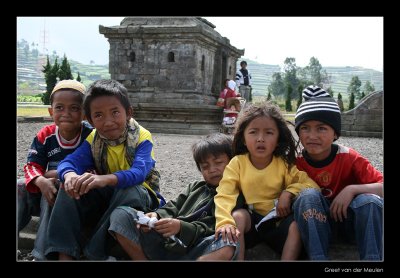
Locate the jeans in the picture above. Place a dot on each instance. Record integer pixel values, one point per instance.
(245, 92)
(153, 244)
(28, 204)
(83, 224)
(364, 220)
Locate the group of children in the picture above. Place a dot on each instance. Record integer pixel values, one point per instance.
(92, 180)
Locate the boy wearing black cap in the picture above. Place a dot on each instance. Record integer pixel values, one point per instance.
(351, 197)
(37, 193)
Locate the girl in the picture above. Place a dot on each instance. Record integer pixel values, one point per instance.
(263, 170)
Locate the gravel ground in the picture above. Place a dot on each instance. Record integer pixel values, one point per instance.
(174, 158)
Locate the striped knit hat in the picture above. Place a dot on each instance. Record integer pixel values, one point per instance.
(69, 84)
(319, 106)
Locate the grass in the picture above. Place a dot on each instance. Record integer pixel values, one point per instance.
(28, 111)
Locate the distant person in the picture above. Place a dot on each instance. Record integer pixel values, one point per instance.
(222, 95)
(37, 193)
(264, 171)
(243, 81)
(121, 152)
(190, 217)
(350, 203)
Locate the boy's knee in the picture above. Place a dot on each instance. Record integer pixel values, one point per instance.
(366, 199)
(120, 215)
(309, 195)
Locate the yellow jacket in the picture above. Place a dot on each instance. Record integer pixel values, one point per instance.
(259, 187)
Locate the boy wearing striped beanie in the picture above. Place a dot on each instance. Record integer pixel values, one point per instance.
(351, 197)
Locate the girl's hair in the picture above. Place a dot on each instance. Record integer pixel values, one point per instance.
(213, 144)
(286, 148)
(105, 87)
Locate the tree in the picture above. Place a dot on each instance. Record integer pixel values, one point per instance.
(351, 103)
(315, 73)
(65, 70)
(290, 78)
(340, 102)
(369, 88)
(300, 95)
(277, 86)
(51, 79)
(362, 95)
(269, 96)
(46, 70)
(288, 102)
(78, 78)
(354, 87)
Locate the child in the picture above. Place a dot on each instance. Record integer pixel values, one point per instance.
(222, 95)
(231, 94)
(51, 144)
(120, 150)
(351, 188)
(263, 170)
(190, 217)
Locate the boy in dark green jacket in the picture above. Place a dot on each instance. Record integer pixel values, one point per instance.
(185, 226)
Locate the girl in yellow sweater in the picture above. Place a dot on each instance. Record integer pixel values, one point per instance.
(264, 171)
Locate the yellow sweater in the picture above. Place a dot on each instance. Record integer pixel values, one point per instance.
(259, 187)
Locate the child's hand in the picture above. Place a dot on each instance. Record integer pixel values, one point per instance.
(70, 179)
(88, 181)
(283, 208)
(146, 228)
(167, 226)
(340, 204)
(228, 232)
(48, 189)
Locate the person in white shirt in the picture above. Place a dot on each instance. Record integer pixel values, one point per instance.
(243, 81)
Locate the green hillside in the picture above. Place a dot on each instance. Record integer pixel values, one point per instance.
(30, 78)
(340, 77)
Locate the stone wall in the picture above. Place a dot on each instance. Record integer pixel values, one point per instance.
(175, 55)
(366, 119)
(172, 62)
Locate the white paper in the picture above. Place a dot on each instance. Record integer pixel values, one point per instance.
(145, 220)
(270, 215)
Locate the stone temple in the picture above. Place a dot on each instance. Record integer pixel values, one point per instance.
(174, 69)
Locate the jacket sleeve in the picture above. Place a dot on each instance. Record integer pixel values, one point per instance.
(227, 194)
(172, 207)
(296, 181)
(141, 166)
(36, 164)
(190, 232)
(80, 161)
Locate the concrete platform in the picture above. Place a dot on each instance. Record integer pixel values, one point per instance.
(261, 252)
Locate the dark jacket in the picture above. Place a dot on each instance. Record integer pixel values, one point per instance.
(195, 209)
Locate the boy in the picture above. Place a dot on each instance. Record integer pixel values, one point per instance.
(351, 196)
(190, 217)
(121, 152)
(51, 144)
(243, 81)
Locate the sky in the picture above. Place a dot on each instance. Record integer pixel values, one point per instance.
(334, 41)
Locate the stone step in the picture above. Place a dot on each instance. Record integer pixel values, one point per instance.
(261, 252)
